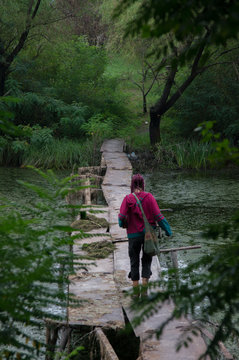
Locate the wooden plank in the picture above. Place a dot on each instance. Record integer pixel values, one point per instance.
(181, 248)
(106, 350)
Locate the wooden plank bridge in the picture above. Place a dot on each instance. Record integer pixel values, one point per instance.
(101, 286)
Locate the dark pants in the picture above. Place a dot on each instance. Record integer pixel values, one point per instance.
(135, 246)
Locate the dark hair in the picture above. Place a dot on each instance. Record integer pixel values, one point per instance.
(137, 182)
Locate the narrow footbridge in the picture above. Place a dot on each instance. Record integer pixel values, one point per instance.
(101, 286)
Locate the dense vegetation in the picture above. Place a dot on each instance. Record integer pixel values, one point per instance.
(78, 80)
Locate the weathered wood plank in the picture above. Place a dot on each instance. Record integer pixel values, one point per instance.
(106, 350)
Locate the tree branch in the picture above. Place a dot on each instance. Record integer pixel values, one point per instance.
(24, 34)
(163, 105)
(227, 51)
(52, 21)
(180, 91)
(152, 83)
(199, 54)
(139, 86)
(167, 89)
(214, 64)
(36, 9)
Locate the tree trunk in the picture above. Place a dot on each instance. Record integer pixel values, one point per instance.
(154, 127)
(144, 105)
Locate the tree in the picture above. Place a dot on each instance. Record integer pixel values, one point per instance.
(85, 19)
(215, 93)
(148, 72)
(12, 43)
(183, 43)
(22, 22)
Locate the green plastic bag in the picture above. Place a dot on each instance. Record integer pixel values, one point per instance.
(151, 241)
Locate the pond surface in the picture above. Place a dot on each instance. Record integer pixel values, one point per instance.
(196, 200)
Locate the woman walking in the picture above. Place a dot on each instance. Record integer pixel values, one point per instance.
(131, 217)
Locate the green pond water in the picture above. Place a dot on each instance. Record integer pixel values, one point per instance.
(196, 200)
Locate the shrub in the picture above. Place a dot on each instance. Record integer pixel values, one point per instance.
(34, 109)
(41, 136)
(99, 127)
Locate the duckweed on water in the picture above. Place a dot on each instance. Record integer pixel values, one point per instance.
(99, 250)
(91, 222)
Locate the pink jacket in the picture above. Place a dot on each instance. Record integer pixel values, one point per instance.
(131, 212)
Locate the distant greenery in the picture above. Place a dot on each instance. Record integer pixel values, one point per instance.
(36, 145)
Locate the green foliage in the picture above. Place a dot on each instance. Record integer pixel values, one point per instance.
(69, 72)
(72, 127)
(182, 21)
(223, 152)
(36, 146)
(133, 139)
(35, 264)
(78, 69)
(215, 94)
(99, 127)
(6, 124)
(33, 109)
(41, 136)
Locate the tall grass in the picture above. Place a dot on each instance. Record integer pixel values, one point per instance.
(189, 154)
(58, 154)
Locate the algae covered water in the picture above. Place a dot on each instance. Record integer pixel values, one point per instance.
(195, 200)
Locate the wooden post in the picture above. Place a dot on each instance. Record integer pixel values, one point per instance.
(65, 337)
(51, 339)
(87, 192)
(174, 258)
(106, 350)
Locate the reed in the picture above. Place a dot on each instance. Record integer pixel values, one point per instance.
(189, 154)
(63, 154)
(58, 154)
